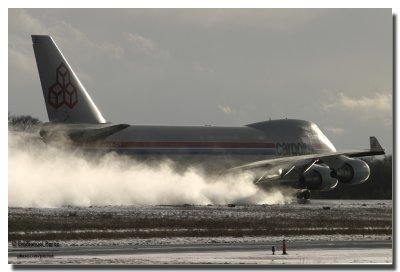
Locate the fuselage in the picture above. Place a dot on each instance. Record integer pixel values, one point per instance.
(230, 145)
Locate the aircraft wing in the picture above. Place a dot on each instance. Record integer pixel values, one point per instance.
(278, 168)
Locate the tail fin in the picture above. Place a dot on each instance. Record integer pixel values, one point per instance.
(66, 98)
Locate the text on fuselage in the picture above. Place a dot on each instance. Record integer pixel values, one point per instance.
(283, 149)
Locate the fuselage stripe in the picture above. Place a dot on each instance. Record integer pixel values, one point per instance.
(210, 151)
(177, 145)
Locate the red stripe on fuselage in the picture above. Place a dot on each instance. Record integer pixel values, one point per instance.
(179, 145)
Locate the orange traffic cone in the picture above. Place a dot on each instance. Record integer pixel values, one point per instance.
(284, 247)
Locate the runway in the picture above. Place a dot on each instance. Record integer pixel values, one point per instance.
(153, 249)
(243, 253)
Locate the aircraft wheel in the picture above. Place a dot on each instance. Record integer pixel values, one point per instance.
(307, 194)
(303, 197)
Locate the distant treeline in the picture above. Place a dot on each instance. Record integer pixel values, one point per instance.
(378, 186)
(22, 122)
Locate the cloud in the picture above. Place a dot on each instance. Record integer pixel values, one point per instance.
(145, 45)
(225, 109)
(27, 23)
(200, 68)
(381, 102)
(377, 106)
(63, 32)
(335, 130)
(277, 20)
(71, 37)
(21, 61)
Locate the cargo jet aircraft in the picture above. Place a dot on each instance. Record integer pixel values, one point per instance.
(285, 152)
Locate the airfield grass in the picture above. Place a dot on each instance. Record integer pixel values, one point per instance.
(195, 221)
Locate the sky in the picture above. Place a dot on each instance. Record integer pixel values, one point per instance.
(226, 67)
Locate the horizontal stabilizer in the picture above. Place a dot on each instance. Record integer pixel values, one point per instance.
(92, 135)
(78, 134)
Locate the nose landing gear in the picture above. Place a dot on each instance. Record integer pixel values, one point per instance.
(303, 196)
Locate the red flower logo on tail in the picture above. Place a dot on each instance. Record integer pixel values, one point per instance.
(63, 92)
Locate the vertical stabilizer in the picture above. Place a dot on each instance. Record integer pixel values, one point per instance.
(66, 98)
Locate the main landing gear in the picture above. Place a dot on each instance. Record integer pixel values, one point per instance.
(303, 196)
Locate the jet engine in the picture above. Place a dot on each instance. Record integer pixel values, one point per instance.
(350, 171)
(318, 177)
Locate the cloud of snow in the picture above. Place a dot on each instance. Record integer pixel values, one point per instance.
(43, 175)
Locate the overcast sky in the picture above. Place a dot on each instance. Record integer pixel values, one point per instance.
(219, 67)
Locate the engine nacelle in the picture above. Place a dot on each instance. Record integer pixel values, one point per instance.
(318, 177)
(350, 171)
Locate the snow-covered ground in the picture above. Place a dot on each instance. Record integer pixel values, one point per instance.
(369, 211)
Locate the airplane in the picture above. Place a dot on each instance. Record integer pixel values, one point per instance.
(287, 152)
